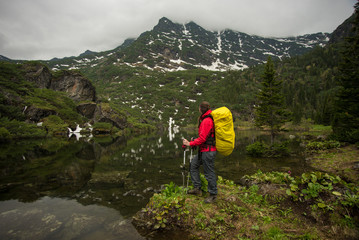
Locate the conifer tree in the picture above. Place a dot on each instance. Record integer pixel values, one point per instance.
(346, 123)
(271, 111)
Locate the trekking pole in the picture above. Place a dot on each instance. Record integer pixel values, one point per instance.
(184, 156)
(189, 169)
(183, 178)
(190, 158)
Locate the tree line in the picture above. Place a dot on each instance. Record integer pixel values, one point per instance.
(323, 84)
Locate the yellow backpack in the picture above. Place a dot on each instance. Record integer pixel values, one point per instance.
(224, 130)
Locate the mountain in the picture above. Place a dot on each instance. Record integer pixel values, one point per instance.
(171, 46)
(87, 53)
(141, 76)
(342, 31)
(3, 58)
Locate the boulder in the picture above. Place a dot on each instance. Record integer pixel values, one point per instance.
(35, 114)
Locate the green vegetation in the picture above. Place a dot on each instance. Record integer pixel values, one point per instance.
(55, 101)
(28, 111)
(17, 96)
(274, 205)
(55, 125)
(340, 161)
(308, 86)
(314, 146)
(17, 129)
(167, 204)
(346, 122)
(260, 149)
(151, 96)
(321, 128)
(271, 111)
(103, 128)
(13, 87)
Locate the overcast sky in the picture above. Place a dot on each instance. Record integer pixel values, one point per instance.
(44, 29)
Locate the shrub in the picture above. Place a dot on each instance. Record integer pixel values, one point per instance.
(4, 133)
(102, 128)
(260, 149)
(256, 149)
(204, 183)
(164, 207)
(172, 190)
(272, 177)
(317, 146)
(102, 125)
(278, 149)
(18, 129)
(54, 124)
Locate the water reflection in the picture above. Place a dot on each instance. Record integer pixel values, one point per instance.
(116, 174)
(173, 129)
(56, 218)
(238, 163)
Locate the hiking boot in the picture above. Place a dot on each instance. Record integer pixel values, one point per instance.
(195, 191)
(212, 198)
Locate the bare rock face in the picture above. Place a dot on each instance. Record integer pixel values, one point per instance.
(75, 85)
(38, 74)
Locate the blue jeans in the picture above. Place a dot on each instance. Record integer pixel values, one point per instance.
(207, 159)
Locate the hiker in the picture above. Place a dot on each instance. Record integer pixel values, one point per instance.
(206, 154)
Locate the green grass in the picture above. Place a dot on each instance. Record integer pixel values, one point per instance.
(247, 213)
(321, 128)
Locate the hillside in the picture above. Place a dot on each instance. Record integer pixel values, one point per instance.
(35, 102)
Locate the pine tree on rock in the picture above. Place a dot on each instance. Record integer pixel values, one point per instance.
(271, 111)
(346, 123)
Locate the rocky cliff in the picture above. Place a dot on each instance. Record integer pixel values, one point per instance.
(77, 87)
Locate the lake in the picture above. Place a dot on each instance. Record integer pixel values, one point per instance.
(89, 188)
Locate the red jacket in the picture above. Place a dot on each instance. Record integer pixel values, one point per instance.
(205, 129)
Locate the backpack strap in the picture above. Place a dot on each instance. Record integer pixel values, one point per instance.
(211, 140)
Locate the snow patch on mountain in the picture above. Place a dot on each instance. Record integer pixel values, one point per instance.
(177, 47)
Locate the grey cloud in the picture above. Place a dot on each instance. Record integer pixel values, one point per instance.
(43, 29)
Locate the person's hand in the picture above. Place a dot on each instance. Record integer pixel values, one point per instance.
(186, 142)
